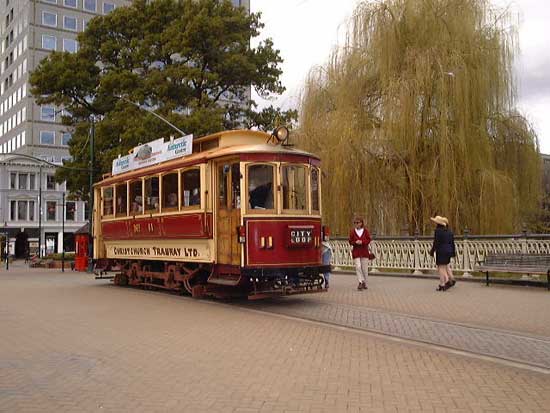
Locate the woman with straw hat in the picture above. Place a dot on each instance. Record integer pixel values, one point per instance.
(444, 249)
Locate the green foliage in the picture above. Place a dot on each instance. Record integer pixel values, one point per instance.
(183, 59)
(420, 104)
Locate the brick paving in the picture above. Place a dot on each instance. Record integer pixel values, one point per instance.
(73, 344)
(410, 308)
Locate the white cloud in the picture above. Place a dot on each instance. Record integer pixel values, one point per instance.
(306, 31)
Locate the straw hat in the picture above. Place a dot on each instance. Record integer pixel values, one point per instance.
(440, 220)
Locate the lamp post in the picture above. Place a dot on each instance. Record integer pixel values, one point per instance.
(91, 200)
(63, 232)
(40, 211)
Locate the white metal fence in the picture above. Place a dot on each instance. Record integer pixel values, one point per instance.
(412, 253)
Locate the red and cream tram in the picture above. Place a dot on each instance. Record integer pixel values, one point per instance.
(238, 216)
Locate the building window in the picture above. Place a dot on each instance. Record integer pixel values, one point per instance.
(32, 178)
(49, 42)
(70, 45)
(47, 137)
(31, 210)
(23, 181)
(108, 7)
(70, 209)
(49, 19)
(50, 1)
(90, 5)
(66, 138)
(51, 207)
(70, 3)
(47, 113)
(21, 210)
(69, 23)
(50, 182)
(13, 180)
(13, 210)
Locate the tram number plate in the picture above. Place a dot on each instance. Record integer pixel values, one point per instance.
(300, 236)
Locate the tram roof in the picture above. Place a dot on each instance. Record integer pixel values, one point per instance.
(228, 143)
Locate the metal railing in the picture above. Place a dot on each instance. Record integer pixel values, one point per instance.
(412, 253)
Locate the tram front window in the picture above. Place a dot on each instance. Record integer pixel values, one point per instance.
(315, 190)
(294, 187)
(260, 187)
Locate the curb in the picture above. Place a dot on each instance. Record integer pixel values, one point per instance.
(524, 283)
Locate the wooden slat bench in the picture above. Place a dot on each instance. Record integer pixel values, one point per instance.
(516, 263)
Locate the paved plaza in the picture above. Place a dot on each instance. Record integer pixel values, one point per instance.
(73, 344)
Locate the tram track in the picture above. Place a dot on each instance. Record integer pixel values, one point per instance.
(510, 348)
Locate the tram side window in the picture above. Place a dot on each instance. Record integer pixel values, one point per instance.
(136, 197)
(222, 186)
(191, 188)
(170, 192)
(315, 189)
(294, 187)
(121, 200)
(108, 201)
(260, 187)
(152, 194)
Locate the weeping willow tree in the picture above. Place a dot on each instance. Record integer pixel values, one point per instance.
(415, 115)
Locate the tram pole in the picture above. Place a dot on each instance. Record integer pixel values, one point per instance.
(40, 211)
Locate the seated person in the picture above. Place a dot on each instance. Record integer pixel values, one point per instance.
(172, 200)
(260, 197)
(195, 197)
(136, 205)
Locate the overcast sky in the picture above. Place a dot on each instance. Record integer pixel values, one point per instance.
(305, 31)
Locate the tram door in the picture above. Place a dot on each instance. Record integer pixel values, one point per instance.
(229, 212)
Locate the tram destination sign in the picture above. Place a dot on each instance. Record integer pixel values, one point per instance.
(153, 153)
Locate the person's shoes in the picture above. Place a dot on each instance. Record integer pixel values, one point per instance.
(453, 282)
(360, 286)
(441, 288)
(448, 285)
(365, 286)
(326, 284)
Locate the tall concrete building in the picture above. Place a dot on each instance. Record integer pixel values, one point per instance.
(31, 210)
(29, 31)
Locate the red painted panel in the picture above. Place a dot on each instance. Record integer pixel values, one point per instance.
(197, 225)
(188, 226)
(280, 254)
(115, 229)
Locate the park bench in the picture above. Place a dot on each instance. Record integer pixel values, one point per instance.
(516, 263)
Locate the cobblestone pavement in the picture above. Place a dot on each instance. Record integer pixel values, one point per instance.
(73, 344)
(506, 322)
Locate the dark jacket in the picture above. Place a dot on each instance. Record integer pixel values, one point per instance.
(360, 251)
(444, 242)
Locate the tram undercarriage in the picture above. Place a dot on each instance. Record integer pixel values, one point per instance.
(207, 280)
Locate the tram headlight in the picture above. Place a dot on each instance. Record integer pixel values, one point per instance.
(281, 134)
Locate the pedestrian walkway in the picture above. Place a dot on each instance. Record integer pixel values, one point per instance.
(71, 343)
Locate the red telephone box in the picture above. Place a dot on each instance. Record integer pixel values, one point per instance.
(81, 249)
